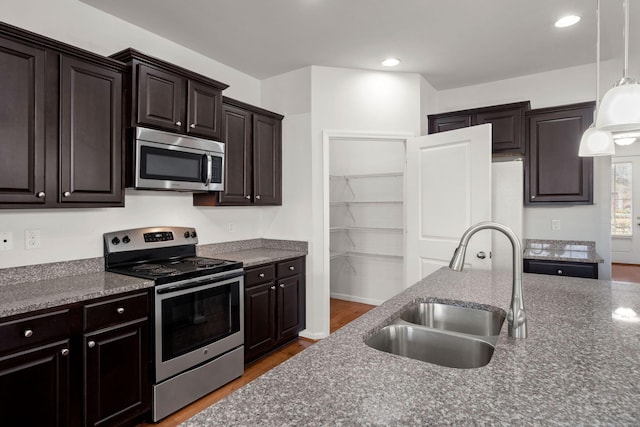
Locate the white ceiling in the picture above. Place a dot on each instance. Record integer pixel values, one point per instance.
(452, 43)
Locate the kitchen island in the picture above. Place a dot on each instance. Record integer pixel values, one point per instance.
(579, 365)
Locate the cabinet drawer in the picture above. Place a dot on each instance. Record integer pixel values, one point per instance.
(120, 310)
(26, 332)
(289, 268)
(257, 275)
(557, 268)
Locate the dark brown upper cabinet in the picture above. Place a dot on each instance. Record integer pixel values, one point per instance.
(60, 124)
(253, 156)
(167, 97)
(507, 120)
(554, 173)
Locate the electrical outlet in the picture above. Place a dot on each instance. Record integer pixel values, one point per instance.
(6, 240)
(31, 239)
(555, 224)
(231, 227)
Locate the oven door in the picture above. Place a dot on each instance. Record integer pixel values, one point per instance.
(197, 320)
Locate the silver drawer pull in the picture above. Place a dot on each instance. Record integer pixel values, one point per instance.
(66, 194)
(120, 310)
(261, 275)
(282, 285)
(64, 351)
(273, 288)
(91, 344)
(40, 195)
(247, 197)
(28, 333)
(291, 267)
(178, 123)
(257, 197)
(192, 125)
(559, 271)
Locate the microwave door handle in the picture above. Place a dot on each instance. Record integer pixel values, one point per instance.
(209, 170)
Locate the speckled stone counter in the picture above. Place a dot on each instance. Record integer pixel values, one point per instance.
(59, 284)
(255, 251)
(579, 366)
(562, 250)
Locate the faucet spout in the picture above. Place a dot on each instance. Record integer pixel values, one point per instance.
(516, 317)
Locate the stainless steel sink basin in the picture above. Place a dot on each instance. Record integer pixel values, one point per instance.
(430, 345)
(454, 318)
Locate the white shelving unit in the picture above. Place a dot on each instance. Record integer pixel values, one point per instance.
(367, 236)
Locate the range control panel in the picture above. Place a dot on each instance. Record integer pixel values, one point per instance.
(148, 238)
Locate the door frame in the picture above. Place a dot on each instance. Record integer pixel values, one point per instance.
(345, 135)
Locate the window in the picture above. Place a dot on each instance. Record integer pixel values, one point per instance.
(621, 192)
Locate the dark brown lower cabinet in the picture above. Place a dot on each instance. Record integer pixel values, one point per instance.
(86, 364)
(562, 268)
(274, 306)
(34, 386)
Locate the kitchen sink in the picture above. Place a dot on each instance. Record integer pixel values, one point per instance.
(443, 334)
(432, 346)
(455, 318)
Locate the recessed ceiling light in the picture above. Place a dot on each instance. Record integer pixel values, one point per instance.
(390, 62)
(567, 21)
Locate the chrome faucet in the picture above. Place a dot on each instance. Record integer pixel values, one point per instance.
(516, 318)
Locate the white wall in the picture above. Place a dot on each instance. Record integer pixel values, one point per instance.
(566, 86)
(72, 234)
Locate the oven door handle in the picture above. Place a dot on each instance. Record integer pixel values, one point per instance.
(190, 285)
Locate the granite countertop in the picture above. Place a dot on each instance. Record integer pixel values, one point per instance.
(562, 250)
(67, 282)
(578, 366)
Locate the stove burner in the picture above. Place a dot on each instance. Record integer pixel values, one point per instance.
(204, 262)
(162, 271)
(145, 267)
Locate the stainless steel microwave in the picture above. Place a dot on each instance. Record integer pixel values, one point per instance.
(169, 161)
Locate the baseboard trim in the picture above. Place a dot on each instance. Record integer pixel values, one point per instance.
(354, 298)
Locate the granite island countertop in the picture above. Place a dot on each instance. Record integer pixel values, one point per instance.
(579, 365)
(562, 250)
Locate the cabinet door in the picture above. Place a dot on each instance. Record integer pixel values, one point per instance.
(236, 126)
(116, 378)
(445, 123)
(267, 160)
(22, 151)
(507, 129)
(204, 111)
(160, 99)
(34, 387)
(259, 320)
(90, 134)
(554, 173)
(288, 308)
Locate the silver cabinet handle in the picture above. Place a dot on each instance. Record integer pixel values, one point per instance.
(66, 194)
(28, 333)
(282, 285)
(192, 125)
(273, 288)
(40, 195)
(64, 352)
(261, 275)
(291, 267)
(559, 272)
(247, 197)
(91, 344)
(178, 123)
(257, 197)
(120, 310)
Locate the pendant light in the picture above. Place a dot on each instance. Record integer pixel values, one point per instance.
(595, 141)
(620, 107)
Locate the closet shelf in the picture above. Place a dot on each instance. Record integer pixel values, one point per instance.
(369, 175)
(355, 228)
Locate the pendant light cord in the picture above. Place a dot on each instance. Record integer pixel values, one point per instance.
(597, 59)
(626, 38)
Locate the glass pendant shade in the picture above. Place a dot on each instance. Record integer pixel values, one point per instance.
(596, 142)
(620, 107)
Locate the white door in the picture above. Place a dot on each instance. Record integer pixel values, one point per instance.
(625, 212)
(448, 190)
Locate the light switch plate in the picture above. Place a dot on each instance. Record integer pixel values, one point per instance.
(555, 224)
(31, 239)
(6, 240)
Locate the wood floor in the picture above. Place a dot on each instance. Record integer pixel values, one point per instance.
(341, 313)
(625, 272)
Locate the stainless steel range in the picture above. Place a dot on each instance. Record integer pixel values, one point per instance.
(198, 314)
